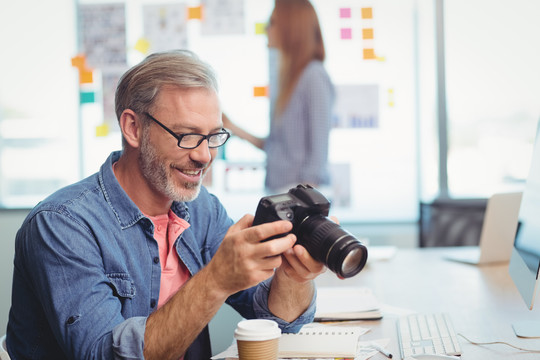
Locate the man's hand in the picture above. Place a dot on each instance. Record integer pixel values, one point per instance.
(243, 260)
(298, 265)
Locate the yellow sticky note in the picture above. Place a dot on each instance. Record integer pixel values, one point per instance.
(86, 76)
(369, 54)
(367, 13)
(367, 33)
(195, 13)
(260, 28)
(102, 130)
(142, 45)
(260, 91)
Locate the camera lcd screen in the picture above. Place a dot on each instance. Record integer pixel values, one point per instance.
(280, 198)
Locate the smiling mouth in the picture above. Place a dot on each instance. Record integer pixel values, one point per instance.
(191, 172)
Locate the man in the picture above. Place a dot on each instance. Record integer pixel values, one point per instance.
(134, 261)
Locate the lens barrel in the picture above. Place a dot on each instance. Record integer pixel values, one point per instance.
(332, 245)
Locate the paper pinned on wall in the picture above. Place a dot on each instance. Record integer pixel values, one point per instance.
(367, 13)
(87, 97)
(367, 33)
(260, 29)
(103, 29)
(346, 33)
(223, 17)
(260, 91)
(194, 13)
(345, 13)
(357, 106)
(165, 26)
(86, 76)
(142, 45)
(369, 54)
(79, 61)
(102, 130)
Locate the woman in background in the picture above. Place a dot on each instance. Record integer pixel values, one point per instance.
(300, 116)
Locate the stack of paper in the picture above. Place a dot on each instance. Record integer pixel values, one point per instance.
(346, 303)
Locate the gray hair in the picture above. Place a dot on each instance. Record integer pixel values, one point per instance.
(140, 85)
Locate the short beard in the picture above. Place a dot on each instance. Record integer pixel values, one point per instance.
(157, 174)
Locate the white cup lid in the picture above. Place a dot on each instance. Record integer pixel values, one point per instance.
(257, 330)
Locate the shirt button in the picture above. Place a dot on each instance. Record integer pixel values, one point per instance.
(159, 227)
(156, 260)
(153, 303)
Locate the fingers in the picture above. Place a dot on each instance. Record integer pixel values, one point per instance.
(244, 259)
(300, 265)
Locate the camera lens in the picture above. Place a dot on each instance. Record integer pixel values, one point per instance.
(332, 245)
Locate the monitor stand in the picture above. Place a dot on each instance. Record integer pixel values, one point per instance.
(527, 329)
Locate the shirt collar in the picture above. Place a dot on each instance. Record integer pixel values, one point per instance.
(125, 210)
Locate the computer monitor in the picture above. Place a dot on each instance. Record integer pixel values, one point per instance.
(525, 258)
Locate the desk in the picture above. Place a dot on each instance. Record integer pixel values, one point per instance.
(482, 301)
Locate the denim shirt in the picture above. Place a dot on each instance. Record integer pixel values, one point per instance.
(87, 271)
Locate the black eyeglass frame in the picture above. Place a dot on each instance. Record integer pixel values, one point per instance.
(179, 137)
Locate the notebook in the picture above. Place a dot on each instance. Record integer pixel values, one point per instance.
(345, 303)
(313, 342)
(320, 342)
(497, 235)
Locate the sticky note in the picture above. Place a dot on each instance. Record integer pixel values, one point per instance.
(87, 97)
(346, 33)
(78, 61)
(367, 33)
(345, 12)
(260, 91)
(195, 12)
(369, 54)
(260, 28)
(367, 13)
(86, 76)
(102, 130)
(142, 45)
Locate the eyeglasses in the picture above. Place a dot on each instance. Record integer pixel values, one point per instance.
(192, 140)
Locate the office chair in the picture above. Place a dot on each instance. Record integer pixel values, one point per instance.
(451, 222)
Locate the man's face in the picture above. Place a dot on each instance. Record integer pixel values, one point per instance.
(172, 172)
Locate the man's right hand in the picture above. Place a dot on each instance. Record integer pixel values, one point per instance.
(243, 260)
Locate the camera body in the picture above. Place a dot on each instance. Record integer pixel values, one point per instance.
(307, 209)
(293, 206)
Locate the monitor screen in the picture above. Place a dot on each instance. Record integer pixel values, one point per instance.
(525, 259)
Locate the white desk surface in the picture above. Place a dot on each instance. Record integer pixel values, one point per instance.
(482, 301)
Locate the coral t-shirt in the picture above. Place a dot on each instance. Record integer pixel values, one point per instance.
(174, 274)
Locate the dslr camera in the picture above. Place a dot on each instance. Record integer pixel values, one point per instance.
(327, 242)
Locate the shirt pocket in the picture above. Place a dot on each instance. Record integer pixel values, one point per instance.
(122, 285)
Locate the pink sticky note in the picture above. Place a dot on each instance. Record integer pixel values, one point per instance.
(346, 33)
(345, 12)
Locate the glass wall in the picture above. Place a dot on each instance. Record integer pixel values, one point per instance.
(493, 93)
(57, 125)
(57, 120)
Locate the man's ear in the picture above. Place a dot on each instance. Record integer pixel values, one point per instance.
(131, 126)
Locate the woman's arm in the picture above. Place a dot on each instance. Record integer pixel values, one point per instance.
(243, 134)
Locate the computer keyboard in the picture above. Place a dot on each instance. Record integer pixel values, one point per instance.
(427, 334)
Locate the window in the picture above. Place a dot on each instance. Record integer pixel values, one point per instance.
(493, 94)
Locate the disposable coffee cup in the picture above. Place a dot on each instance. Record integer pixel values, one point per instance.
(257, 339)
